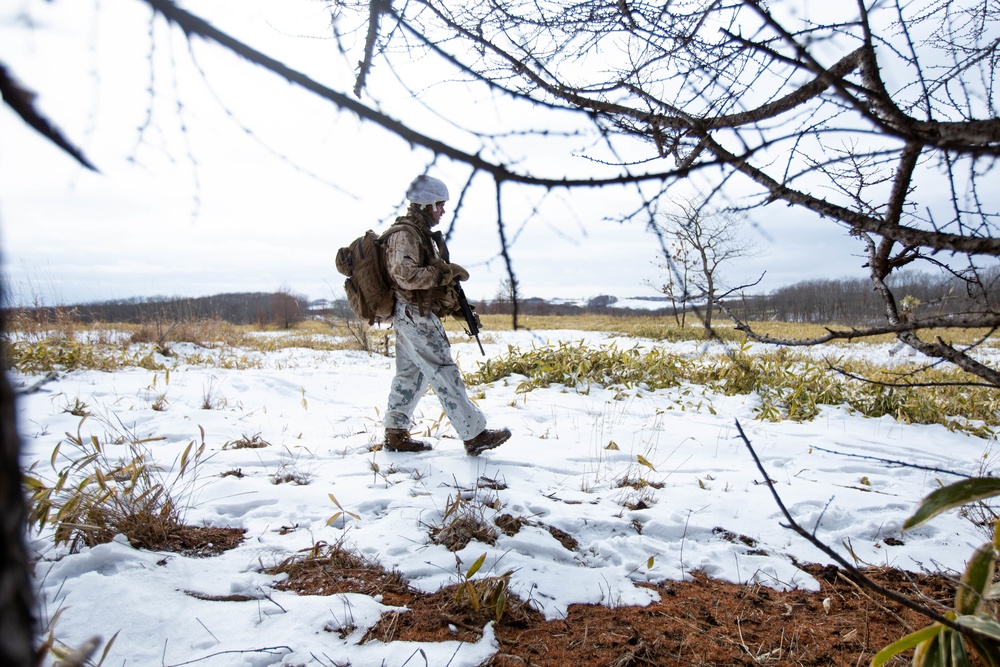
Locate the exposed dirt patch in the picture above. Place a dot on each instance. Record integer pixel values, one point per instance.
(511, 525)
(328, 569)
(203, 541)
(701, 622)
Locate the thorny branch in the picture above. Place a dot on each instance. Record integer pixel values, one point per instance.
(722, 89)
(22, 102)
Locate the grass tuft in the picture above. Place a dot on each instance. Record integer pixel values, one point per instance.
(463, 522)
(96, 496)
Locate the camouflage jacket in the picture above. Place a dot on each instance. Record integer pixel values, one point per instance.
(415, 259)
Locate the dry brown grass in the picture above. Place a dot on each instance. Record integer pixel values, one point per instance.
(463, 521)
(662, 328)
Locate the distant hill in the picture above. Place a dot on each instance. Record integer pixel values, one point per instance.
(845, 301)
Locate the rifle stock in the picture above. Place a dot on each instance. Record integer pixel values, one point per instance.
(469, 315)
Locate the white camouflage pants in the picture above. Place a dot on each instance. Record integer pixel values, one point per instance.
(423, 358)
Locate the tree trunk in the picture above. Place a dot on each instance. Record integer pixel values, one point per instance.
(16, 600)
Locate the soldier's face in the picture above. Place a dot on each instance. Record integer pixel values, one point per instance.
(438, 211)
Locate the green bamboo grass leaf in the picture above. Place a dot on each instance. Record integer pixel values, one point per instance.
(994, 591)
(929, 653)
(982, 624)
(951, 496)
(988, 652)
(957, 653)
(474, 597)
(642, 461)
(911, 640)
(33, 483)
(501, 606)
(475, 566)
(976, 580)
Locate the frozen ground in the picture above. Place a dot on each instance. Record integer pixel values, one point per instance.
(319, 412)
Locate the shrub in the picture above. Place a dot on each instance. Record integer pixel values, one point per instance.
(95, 497)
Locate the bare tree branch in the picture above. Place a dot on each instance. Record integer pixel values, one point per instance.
(22, 101)
(728, 89)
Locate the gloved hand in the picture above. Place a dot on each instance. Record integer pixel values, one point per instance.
(459, 272)
(447, 274)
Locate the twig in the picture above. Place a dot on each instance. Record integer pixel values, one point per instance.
(48, 377)
(881, 606)
(207, 630)
(907, 385)
(901, 464)
(267, 649)
(424, 655)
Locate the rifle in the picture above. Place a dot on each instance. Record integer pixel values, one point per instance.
(470, 316)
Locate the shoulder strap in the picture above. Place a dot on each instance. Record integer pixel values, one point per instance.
(402, 223)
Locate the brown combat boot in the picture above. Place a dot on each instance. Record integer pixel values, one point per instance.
(488, 439)
(399, 440)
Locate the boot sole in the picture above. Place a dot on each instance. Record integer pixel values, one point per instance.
(408, 451)
(484, 448)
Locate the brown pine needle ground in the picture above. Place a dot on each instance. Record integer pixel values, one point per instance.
(701, 622)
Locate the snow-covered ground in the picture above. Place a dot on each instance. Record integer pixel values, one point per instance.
(320, 411)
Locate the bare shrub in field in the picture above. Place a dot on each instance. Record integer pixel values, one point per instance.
(202, 332)
(247, 442)
(356, 334)
(98, 495)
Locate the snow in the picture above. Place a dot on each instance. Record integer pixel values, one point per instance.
(319, 411)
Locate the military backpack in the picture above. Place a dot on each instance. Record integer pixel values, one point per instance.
(368, 287)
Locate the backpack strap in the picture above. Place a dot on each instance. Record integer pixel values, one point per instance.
(430, 241)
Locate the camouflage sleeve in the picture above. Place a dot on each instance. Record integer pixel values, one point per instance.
(402, 259)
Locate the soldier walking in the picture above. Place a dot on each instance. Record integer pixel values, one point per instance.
(423, 279)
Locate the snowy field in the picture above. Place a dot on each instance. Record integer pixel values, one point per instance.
(320, 412)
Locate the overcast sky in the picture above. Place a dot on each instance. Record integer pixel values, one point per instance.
(228, 179)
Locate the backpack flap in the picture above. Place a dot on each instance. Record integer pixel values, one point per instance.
(345, 263)
(369, 292)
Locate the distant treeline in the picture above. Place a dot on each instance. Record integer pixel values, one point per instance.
(278, 308)
(855, 301)
(851, 302)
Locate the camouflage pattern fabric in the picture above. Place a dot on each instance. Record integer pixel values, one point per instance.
(415, 259)
(423, 358)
